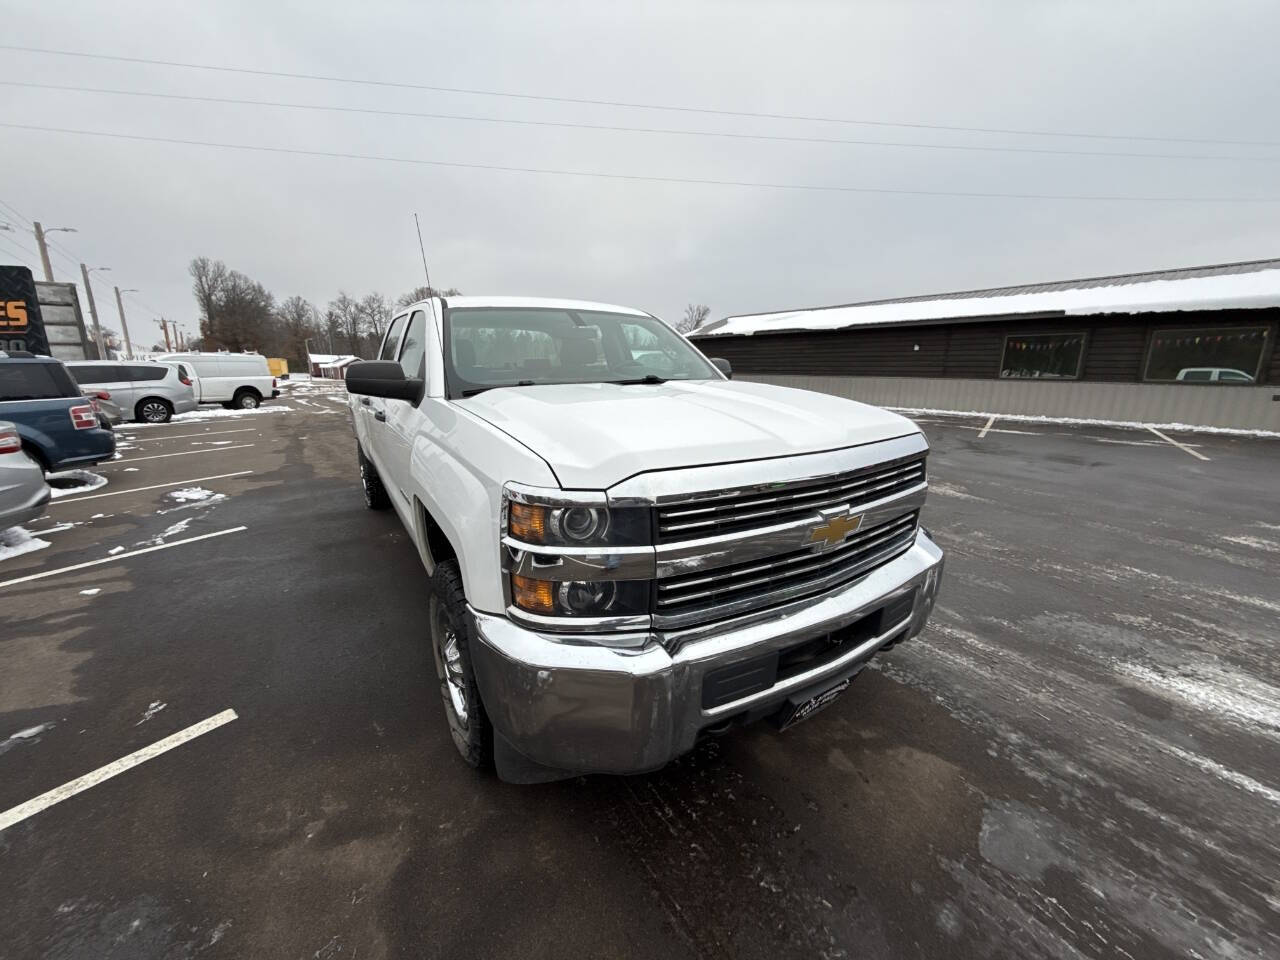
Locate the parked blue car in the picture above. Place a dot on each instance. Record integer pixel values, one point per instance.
(58, 424)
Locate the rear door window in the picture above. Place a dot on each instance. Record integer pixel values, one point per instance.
(140, 371)
(35, 381)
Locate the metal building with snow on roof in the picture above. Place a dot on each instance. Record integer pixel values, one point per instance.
(1195, 345)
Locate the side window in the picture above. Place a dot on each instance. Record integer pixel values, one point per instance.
(141, 371)
(90, 374)
(117, 373)
(415, 344)
(1203, 376)
(388, 351)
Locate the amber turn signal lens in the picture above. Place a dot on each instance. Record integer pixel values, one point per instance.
(528, 522)
(536, 596)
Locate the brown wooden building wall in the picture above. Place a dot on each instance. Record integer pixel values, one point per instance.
(1115, 346)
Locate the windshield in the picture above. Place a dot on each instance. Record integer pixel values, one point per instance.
(488, 347)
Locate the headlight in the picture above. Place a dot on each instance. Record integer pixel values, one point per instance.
(580, 598)
(540, 524)
(575, 563)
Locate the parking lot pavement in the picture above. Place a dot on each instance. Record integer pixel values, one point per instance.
(1077, 758)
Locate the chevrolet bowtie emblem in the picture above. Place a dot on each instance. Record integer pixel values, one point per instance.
(835, 529)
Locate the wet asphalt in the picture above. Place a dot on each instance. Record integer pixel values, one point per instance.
(1077, 759)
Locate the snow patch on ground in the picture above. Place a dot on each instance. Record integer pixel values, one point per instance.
(190, 497)
(218, 413)
(16, 541)
(946, 490)
(1222, 693)
(91, 592)
(190, 494)
(29, 735)
(171, 531)
(152, 709)
(1256, 542)
(114, 550)
(1078, 422)
(66, 483)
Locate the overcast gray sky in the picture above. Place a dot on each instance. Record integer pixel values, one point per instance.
(310, 225)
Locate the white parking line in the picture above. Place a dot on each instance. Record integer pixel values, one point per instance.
(987, 427)
(119, 556)
(46, 800)
(187, 436)
(154, 486)
(180, 453)
(1180, 446)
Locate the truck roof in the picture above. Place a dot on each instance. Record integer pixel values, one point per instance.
(546, 303)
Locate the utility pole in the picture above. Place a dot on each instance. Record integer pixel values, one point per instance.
(44, 247)
(44, 251)
(93, 311)
(124, 327)
(165, 327)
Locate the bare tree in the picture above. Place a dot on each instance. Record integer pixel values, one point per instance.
(695, 315)
(374, 314)
(332, 327)
(208, 277)
(298, 322)
(347, 309)
(425, 293)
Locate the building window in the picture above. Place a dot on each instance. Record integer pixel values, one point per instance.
(1214, 355)
(1044, 356)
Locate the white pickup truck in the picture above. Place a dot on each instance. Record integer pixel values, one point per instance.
(629, 551)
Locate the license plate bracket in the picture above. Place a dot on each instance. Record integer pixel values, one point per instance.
(801, 708)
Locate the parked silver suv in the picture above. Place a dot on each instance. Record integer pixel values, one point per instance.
(147, 391)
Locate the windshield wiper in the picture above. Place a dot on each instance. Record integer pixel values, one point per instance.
(647, 378)
(498, 386)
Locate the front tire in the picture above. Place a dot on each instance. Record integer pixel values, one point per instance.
(375, 494)
(153, 410)
(451, 634)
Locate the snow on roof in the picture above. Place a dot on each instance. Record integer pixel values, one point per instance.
(1226, 286)
(458, 303)
(331, 357)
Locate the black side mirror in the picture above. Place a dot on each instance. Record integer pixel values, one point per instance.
(724, 366)
(383, 378)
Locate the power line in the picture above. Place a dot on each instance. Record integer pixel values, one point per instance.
(14, 245)
(595, 175)
(14, 210)
(613, 128)
(402, 85)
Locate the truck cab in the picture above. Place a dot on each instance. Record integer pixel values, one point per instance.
(627, 549)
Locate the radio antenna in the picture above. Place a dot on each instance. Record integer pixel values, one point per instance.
(422, 249)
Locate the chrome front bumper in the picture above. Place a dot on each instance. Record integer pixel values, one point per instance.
(586, 708)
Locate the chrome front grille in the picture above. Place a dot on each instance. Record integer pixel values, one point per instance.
(707, 594)
(736, 510)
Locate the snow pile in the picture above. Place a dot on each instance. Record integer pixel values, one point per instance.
(190, 497)
(68, 482)
(191, 494)
(15, 541)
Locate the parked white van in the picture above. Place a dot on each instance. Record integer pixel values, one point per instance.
(237, 380)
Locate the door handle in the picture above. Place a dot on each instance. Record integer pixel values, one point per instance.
(365, 401)
(379, 415)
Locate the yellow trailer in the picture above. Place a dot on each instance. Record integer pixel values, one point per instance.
(278, 366)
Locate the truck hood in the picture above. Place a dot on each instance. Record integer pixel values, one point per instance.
(595, 435)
